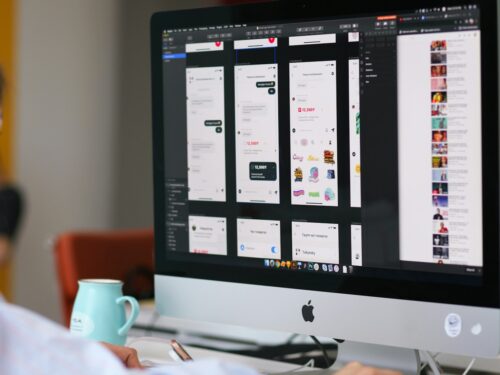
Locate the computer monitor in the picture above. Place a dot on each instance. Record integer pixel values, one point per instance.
(331, 169)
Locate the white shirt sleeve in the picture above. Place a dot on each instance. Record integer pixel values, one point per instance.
(31, 344)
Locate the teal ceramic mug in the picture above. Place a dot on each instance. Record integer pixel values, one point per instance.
(99, 311)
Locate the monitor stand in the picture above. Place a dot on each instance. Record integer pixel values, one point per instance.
(406, 361)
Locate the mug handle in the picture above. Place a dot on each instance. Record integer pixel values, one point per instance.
(133, 315)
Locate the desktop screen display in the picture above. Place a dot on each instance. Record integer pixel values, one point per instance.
(340, 154)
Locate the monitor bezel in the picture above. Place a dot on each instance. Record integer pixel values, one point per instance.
(408, 285)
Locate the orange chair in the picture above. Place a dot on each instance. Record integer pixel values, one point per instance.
(122, 255)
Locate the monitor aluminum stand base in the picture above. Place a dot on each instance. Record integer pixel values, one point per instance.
(404, 360)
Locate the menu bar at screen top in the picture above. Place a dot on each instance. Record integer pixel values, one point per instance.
(352, 142)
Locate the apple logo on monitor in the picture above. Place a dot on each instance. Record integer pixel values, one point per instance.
(307, 312)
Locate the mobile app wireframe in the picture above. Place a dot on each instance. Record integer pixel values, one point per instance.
(356, 245)
(205, 131)
(207, 235)
(354, 133)
(307, 40)
(271, 42)
(257, 138)
(315, 242)
(205, 47)
(313, 133)
(259, 238)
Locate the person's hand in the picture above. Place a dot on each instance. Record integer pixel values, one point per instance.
(356, 368)
(127, 355)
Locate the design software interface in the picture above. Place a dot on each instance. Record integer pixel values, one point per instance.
(327, 146)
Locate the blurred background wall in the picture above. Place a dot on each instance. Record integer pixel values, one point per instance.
(82, 139)
(8, 62)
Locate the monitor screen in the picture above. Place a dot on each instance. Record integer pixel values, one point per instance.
(344, 153)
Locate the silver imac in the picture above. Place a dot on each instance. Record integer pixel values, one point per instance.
(331, 170)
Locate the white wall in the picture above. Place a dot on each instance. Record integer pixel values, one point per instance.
(84, 156)
(66, 125)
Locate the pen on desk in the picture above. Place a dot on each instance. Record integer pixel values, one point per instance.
(180, 351)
